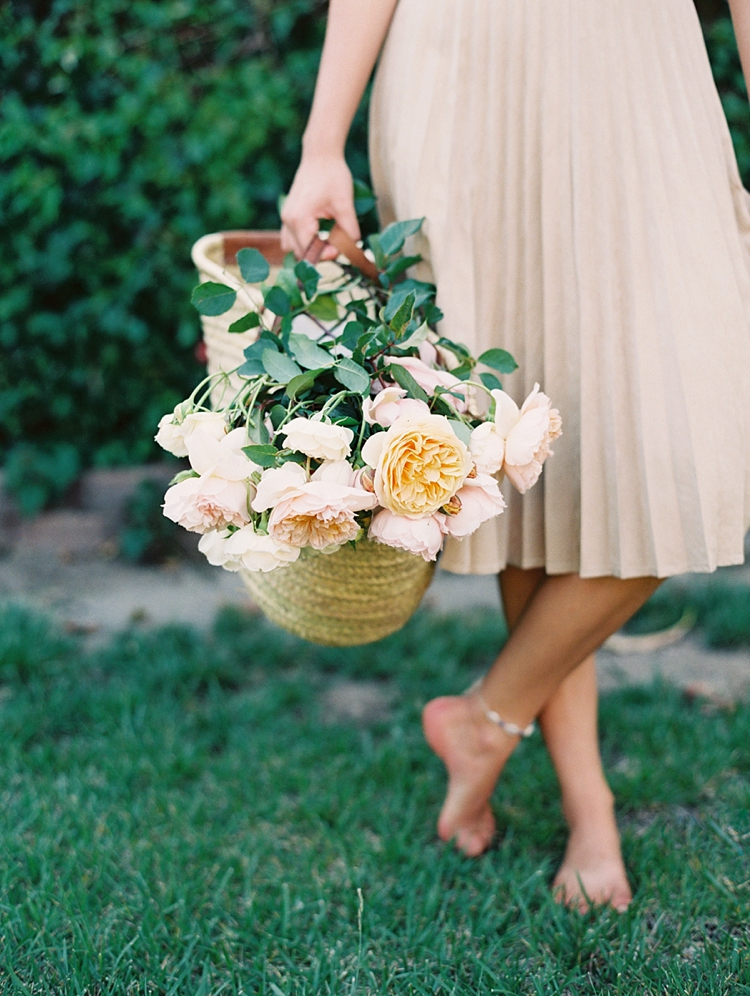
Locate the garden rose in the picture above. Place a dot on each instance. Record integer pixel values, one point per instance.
(319, 512)
(429, 378)
(420, 536)
(213, 547)
(255, 551)
(419, 464)
(528, 432)
(173, 432)
(202, 503)
(390, 404)
(480, 500)
(317, 439)
(487, 447)
(222, 457)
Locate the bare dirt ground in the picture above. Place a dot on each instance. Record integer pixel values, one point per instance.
(64, 562)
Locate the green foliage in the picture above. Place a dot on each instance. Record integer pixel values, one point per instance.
(40, 475)
(725, 61)
(188, 813)
(128, 129)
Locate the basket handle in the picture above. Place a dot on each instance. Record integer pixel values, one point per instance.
(347, 247)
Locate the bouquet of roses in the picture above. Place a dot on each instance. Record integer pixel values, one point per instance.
(350, 418)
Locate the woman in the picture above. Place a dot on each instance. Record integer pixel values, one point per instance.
(583, 210)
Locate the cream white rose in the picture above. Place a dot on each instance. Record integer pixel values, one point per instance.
(487, 447)
(222, 457)
(256, 552)
(317, 439)
(174, 431)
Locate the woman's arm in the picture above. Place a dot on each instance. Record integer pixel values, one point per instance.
(741, 18)
(322, 187)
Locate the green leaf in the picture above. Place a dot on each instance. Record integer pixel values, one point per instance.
(277, 301)
(393, 237)
(464, 370)
(364, 199)
(249, 321)
(213, 299)
(279, 366)
(397, 267)
(287, 281)
(404, 379)
(374, 243)
(354, 377)
(462, 430)
(253, 354)
(277, 416)
(308, 276)
(351, 334)
(257, 431)
(402, 317)
(491, 382)
(184, 475)
(253, 266)
(324, 308)
(433, 314)
(417, 337)
(298, 385)
(264, 456)
(307, 354)
(455, 347)
(498, 359)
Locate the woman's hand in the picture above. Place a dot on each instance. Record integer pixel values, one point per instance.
(322, 188)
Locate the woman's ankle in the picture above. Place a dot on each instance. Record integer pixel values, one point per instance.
(591, 804)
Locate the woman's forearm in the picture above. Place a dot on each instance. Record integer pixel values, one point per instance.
(741, 18)
(354, 36)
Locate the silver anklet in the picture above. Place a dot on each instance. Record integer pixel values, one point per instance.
(512, 729)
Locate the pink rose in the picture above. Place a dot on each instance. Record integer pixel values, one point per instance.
(390, 404)
(480, 500)
(256, 551)
(220, 457)
(429, 378)
(528, 433)
(419, 536)
(202, 503)
(320, 514)
(487, 447)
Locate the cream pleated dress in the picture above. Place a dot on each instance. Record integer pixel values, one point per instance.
(584, 210)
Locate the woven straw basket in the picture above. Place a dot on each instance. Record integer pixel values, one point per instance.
(358, 594)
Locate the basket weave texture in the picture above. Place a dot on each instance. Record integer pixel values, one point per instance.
(358, 594)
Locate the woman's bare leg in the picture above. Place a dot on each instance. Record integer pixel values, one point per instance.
(593, 858)
(565, 620)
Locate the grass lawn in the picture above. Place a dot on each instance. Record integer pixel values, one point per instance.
(183, 813)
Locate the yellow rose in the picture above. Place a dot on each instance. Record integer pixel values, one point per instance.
(420, 463)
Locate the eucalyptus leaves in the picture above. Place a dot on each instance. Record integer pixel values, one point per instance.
(352, 418)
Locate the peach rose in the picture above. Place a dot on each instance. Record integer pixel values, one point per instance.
(319, 512)
(429, 378)
(420, 536)
(317, 439)
(390, 404)
(480, 500)
(202, 503)
(528, 432)
(419, 464)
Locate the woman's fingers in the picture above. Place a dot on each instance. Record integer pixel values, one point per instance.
(322, 188)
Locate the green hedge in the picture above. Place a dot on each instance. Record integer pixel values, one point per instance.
(128, 128)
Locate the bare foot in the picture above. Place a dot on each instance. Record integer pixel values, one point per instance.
(474, 753)
(592, 872)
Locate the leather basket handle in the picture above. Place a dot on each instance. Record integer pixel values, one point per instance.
(347, 247)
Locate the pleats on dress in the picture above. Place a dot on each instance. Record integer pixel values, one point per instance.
(584, 210)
